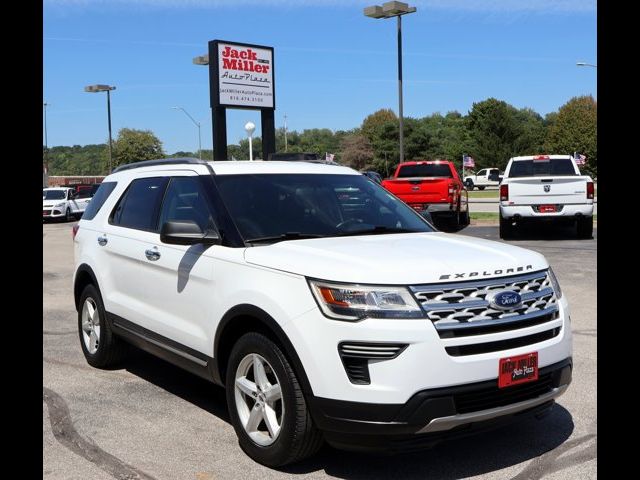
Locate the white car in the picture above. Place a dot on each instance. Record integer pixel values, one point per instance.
(63, 203)
(327, 316)
(487, 177)
(546, 188)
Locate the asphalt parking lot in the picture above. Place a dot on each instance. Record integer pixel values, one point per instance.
(150, 420)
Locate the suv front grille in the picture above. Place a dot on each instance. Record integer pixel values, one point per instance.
(461, 310)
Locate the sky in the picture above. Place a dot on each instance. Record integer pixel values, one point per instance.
(333, 66)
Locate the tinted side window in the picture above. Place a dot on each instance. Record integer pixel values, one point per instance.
(98, 200)
(185, 200)
(138, 207)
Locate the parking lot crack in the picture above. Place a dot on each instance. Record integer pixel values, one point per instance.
(66, 434)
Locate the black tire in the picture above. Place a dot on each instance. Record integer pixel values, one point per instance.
(481, 188)
(466, 219)
(298, 437)
(506, 228)
(469, 184)
(68, 217)
(585, 227)
(110, 349)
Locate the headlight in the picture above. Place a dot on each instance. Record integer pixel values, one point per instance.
(59, 205)
(355, 302)
(554, 283)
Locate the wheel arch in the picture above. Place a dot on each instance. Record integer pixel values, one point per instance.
(84, 276)
(246, 318)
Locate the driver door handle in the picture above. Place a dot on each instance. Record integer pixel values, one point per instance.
(152, 254)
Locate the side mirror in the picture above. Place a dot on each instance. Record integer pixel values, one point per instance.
(186, 232)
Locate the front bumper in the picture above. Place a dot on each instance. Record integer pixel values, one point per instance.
(48, 212)
(528, 211)
(431, 416)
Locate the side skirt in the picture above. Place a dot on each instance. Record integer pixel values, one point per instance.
(173, 352)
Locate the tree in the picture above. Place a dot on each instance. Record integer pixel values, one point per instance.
(575, 130)
(532, 132)
(494, 130)
(136, 145)
(356, 151)
(372, 122)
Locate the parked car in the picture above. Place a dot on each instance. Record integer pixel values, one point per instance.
(546, 188)
(328, 308)
(487, 177)
(62, 203)
(373, 175)
(433, 186)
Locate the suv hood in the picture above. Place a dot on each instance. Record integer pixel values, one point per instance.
(397, 259)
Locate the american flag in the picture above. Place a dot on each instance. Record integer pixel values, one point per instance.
(468, 162)
(580, 159)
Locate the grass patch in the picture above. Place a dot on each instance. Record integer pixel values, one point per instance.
(484, 216)
(484, 194)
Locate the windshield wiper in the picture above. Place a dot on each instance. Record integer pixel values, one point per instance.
(284, 236)
(378, 230)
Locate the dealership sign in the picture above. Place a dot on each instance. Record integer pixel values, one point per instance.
(244, 76)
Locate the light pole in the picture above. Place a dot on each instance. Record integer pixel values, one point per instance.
(105, 88)
(250, 128)
(584, 64)
(46, 143)
(285, 133)
(388, 10)
(197, 125)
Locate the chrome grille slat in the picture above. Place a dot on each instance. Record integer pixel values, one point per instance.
(461, 309)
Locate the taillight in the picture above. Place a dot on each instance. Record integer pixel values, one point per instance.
(590, 190)
(74, 230)
(504, 193)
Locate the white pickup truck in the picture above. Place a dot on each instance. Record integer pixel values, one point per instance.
(546, 187)
(487, 177)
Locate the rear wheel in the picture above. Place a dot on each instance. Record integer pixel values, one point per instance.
(585, 227)
(506, 228)
(266, 404)
(481, 188)
(100, 347)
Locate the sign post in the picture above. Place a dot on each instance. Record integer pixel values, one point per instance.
(241, 76)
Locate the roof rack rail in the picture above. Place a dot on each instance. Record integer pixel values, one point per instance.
(161, 161)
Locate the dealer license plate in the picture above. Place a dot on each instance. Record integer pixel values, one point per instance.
(518, 369)
(547, 208)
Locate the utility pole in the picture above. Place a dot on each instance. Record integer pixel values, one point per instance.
(285, 132)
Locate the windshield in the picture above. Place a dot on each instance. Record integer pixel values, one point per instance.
(425, 170)
(542, 168)
(312, 205)
(53, 195)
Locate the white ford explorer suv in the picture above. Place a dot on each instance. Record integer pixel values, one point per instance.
(329, 309)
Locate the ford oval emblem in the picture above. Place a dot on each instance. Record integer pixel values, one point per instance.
(504, 300)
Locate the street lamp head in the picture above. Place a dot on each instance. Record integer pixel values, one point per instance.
(201, 60)
(388, 10)
(98, 88)
(585, 64)
(250, 128)
(375, 11)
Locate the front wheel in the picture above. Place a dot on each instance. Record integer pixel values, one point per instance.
(266, 404)
(68, 216)
(469, 184)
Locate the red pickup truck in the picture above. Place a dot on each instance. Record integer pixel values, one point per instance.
(433, 186)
